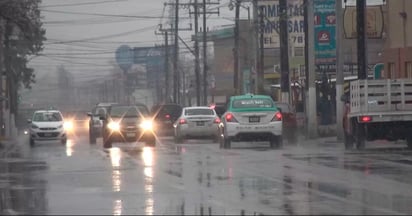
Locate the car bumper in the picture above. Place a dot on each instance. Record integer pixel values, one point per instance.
(209, 130)
(47, 135)
(131, 136)
(236, 129)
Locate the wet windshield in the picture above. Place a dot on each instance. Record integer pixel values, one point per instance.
(47, 117)
(128, 111)
(252, 103)
(193, 112)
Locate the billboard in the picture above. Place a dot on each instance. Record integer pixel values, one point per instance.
(325, 31)
(296, 27)
(374, 22)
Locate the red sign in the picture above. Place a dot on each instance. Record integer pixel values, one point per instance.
(323, 37)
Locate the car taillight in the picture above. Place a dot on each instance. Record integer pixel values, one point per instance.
(217, 121)
(277, 117)
(365, 119)
(167, 116)
(230, 118)
(182, 121)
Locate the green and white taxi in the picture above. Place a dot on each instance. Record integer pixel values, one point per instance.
(251, 118)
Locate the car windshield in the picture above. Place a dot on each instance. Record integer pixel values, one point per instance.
(252, 103)
(128, 111)
(192, 112)
(47, 117)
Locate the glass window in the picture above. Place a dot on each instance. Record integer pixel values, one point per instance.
(252, 103)
(128, 111)
(47, 117)
(190, 112)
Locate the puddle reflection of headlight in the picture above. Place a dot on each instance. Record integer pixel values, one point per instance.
(147, 155)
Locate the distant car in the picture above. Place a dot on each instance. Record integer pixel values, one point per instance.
(128, 123)
(80, 122)
(197, 122)
(220, 108)
(290, 124)
(251, 118)
(95, 124)
(48, 125)
(164, 116)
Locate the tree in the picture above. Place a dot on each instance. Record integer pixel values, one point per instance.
(23, 37)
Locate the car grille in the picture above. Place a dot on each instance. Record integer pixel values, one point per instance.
(54, 134)
(48, 129)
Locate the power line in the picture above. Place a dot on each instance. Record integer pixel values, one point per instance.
(83, 3)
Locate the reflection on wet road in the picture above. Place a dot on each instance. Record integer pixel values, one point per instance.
(198, 178)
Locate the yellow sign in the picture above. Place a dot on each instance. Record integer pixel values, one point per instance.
(374, 19)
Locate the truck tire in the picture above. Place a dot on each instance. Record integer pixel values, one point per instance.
(347, 140)
(360, 136)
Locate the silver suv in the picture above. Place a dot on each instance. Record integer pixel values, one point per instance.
(95, 124)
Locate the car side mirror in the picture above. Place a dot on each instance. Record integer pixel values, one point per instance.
(29, 121)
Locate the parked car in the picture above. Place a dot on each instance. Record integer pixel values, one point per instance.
(164, 116)
(46, 125)
(290, 125)
(251, 118)
(95, 124)
(196, 122)
(128, 123)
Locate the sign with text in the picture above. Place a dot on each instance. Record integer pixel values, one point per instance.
(374, 20)
(296, 27)
(325, 31)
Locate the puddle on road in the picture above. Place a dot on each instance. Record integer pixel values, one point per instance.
(20, 191)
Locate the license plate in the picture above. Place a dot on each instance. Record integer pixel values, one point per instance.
(200, 123)
(130, 134)
(254, 119)
(48, 134)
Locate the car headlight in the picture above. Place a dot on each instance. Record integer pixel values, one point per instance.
(114, 126)
(68, 125)
(34, 126)
(146, 125)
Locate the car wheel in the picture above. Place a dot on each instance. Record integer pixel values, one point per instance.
(64, 141)
(32, 143)
(107, 142)
(92, 138)
(151, 142)
(276, 142)
(227, 143)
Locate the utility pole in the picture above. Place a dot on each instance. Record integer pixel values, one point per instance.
(256, 36)
(236, 75)
(312, 124)
(166, 65)
(339, 69)
(2, 30)
(284, 50)
(261, 69)
(197, 66)
(361, 23)
(176, 80)
(205, 67)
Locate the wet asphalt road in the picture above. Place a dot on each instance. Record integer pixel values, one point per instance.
(198, 178)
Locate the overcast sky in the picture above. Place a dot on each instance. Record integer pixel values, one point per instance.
(85, 44)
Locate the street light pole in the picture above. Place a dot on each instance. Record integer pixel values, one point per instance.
(236, 76)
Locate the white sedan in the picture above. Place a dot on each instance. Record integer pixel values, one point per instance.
(48, 125)
(197, 122)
